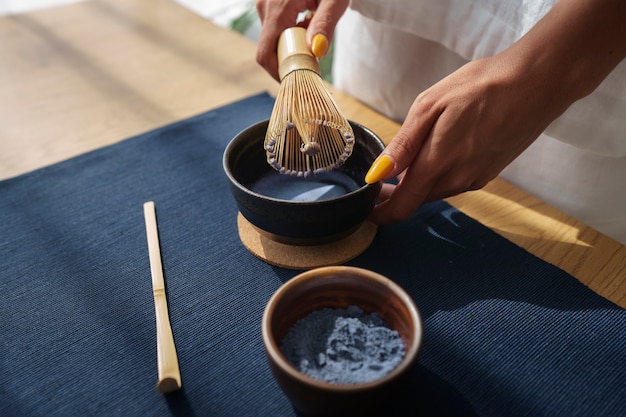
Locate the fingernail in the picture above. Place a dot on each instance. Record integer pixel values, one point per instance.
(319, 45)
(379, 169)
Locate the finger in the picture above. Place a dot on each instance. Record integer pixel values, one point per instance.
(321, 28)
(385, 192)
(403, 200)
(408, 142)
(266, 55)
(275, 19)
(460, 180)
(415, 186)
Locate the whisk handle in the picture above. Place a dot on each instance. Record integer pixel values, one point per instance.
(294, 54)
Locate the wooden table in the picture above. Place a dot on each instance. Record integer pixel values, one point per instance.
(77, 77)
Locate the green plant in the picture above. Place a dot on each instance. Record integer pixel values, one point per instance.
(242, 23)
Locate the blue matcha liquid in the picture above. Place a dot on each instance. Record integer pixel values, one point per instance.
(314, 188)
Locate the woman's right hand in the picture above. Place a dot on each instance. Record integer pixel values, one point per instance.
(278, 15)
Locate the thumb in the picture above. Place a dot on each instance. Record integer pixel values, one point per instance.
(321, 28)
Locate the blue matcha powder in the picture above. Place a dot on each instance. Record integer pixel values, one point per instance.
(343, 346)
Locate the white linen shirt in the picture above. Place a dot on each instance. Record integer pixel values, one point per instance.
(387, 52)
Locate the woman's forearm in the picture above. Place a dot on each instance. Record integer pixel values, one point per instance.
(573, 48)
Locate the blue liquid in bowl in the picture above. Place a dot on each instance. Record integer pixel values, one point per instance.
(319, 187)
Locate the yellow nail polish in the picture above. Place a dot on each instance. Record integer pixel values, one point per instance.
(379, 169)
(319, 45)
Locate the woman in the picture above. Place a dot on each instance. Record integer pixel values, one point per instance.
(534, 91)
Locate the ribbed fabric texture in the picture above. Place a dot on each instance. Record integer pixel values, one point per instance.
(505, 332)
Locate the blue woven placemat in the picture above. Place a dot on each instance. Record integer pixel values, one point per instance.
(505, 332)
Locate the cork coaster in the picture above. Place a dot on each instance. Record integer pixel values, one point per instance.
(305, 257)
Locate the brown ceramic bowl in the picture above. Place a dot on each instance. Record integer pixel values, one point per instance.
(284, 218)
(339, 287)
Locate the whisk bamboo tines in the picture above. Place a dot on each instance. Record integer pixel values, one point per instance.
(307, 133)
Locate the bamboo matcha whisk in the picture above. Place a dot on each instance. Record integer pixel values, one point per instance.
(307, 133)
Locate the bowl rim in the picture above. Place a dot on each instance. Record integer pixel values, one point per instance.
(248, 191)
(273, 349)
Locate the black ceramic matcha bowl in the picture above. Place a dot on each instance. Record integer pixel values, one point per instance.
(300, 222)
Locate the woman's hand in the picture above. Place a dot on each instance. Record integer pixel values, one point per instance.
(278, 15)
(460, 133)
